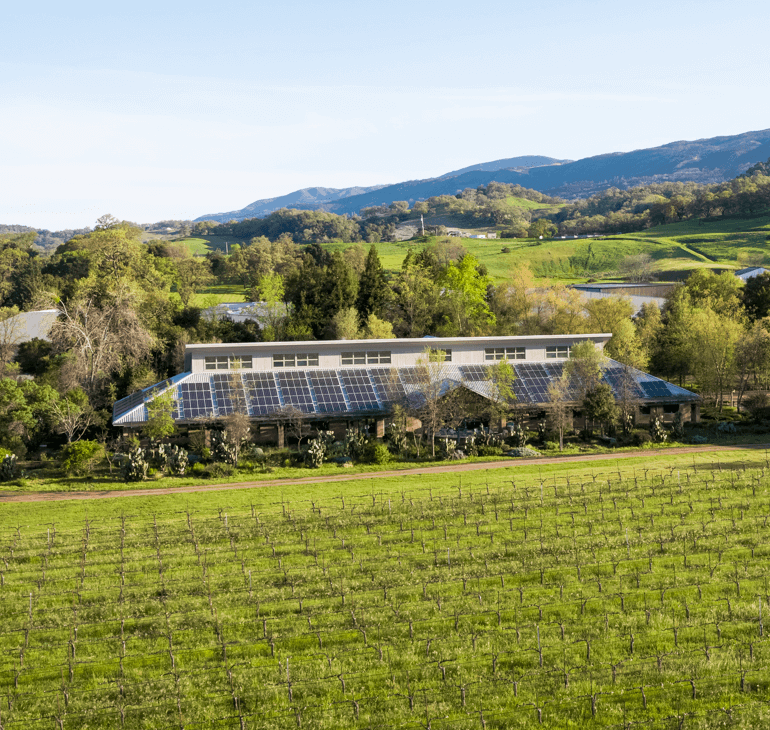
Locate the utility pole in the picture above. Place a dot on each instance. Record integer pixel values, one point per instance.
(422, 223)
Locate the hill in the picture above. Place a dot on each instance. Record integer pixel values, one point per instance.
(704, 161)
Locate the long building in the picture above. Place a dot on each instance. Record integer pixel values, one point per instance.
(336, 383)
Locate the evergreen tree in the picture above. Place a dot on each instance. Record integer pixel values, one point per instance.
(373, 289)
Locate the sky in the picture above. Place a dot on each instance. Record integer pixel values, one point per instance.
(169, 110)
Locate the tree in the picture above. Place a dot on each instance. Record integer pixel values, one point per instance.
(12, 332)
(649, 324)
(376, 329)
(606, 314)
(237, 428)
(430, 380)
(560, 406)
(625, 347)
(270, 290)
(160, 416)
(752, 356)
(344, 324)
(100, 340)
(584, 368)
(541, 228)
(756, 296)
(502, 377)
(599, 405)
(464, 298)
(373, 290)
(72, 414)
(416, 298)
(714, 338)
(636, 267)
(192, 275)
(293, 420)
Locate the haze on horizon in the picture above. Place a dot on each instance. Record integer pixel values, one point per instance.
(175, 110)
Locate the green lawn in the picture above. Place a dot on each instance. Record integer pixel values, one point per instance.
(506, 599)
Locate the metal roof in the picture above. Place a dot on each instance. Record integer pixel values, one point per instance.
(352, 392)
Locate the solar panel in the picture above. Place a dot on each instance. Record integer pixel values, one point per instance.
(388, 384)
(655, 389)
(262, 393)
(621, 381)
(126, 404)
(328, 392)
(359, 389)
(295, 391)
(474, 373)
(535, 379)
(196, 400)
(229, 394)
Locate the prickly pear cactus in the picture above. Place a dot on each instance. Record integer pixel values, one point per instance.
(678, 425)
(221, 448)
(657, 432)
(518, 435)
(175, 459)
(9, 469)
(134, 466)
(316, 452)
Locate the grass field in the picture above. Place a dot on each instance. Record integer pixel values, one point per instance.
(578, 596)
(678, 248)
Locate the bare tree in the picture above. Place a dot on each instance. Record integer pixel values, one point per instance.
(72, 415)
(293, 420)
(427, 402)
(11, 333)
(560, 407)
(101, 339)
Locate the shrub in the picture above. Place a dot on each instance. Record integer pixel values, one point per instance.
(640, 438)
(505, 249)
(726, 427)
(489, 450)
(217, 470)
(523, 451)
(677, 428)
(698, 439)
(377, 453)
(198, 470)
(81, 457)
(551, 445)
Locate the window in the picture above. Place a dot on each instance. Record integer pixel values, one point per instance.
(366, 358)
(447, 354)
(227, 362)
(300, 360)
(671, 408)
(505, 353)
(644, 410)
(556, 351)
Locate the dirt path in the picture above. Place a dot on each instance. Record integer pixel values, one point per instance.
(448, 468)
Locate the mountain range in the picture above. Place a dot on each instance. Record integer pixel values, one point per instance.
(704, 161)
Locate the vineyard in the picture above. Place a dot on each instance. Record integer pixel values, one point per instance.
(609, 600)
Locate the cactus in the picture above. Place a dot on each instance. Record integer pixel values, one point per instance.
(448, 447)
(470, 446)
(315, 454)
(134, 467)
(518, 435)
(657, 432)
(174, 459)
(678, 425)
(355, 443)
(9, 468)
(221, 448)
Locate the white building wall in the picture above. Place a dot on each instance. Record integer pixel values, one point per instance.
(404, 352)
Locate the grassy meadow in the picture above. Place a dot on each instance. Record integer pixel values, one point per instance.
(609, 594)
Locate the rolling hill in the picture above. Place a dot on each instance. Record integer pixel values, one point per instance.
(704, 161)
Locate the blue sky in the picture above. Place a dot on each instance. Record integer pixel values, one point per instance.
(172, 110)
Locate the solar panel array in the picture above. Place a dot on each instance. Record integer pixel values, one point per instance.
(295, 391)
(388, 384)
(196, 400)
(328, 392)
(229, 394)
(655, 389)
(262, 393)
(361, 389)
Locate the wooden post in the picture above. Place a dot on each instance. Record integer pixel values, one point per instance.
(281, 435)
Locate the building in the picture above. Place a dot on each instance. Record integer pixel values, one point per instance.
(337, 383)
(750, 272)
